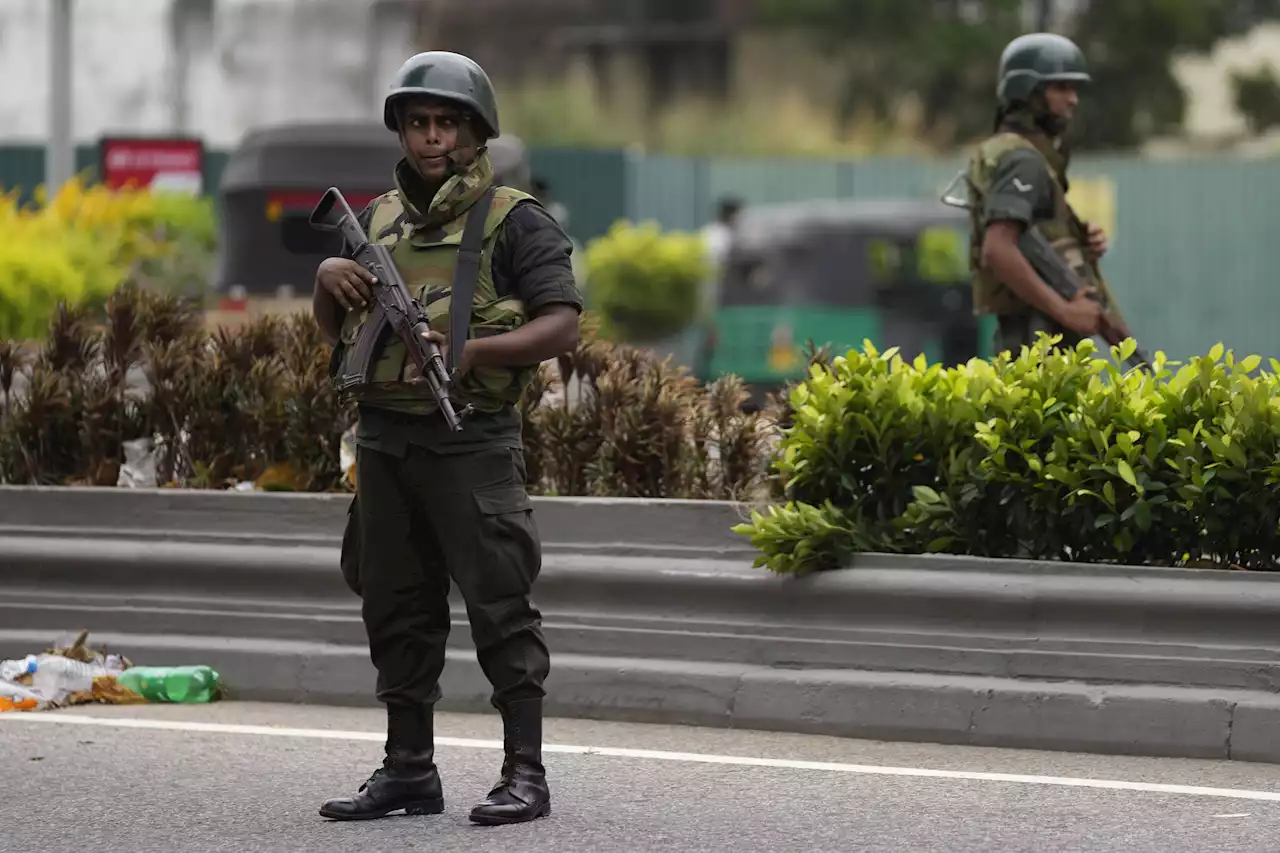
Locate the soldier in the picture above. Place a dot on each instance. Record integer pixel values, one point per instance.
(432, 504)
(1018, 177)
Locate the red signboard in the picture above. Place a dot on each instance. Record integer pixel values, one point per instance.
(164, 163)
(297, 200)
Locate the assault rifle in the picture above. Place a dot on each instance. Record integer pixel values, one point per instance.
(394, 306)
(1055, 272)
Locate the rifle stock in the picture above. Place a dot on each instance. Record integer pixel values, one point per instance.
(395, 308)
(1055, 272)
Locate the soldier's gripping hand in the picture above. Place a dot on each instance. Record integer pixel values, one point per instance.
(346, 281)
(468, 352)
(1082, 315)
(1097, 239)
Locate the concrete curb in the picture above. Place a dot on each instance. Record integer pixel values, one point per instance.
(915, 707)
(615, 524)
(669, 623)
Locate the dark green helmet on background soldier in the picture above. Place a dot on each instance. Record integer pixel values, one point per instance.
(1031, 61)
(451, 76)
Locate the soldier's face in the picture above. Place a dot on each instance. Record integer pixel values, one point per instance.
(1061, 98)
(430, 131)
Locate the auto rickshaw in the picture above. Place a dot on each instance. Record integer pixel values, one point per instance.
(274, 179)
(836, 272)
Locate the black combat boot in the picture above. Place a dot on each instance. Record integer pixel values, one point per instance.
(522, 794)
(407, 779)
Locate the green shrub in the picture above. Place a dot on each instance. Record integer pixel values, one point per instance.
(1051, 455)
(644, 282)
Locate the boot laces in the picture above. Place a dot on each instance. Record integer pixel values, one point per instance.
(377, 774)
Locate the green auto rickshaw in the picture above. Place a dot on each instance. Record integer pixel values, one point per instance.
(838, 272)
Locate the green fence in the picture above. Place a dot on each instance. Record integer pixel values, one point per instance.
(1194, 242)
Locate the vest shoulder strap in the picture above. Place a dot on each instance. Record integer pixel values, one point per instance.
(465, 273)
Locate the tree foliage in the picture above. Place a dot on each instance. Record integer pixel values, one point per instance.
(1257, 97)
(945, 54)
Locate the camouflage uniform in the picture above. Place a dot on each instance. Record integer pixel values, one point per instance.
(1020, 175)
(434, 505)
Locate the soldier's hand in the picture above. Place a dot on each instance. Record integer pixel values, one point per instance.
(346, 281)
(468, 352)
(1083, 315)
(1097, 239)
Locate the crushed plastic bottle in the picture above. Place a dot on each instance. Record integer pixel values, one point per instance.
(185, 684)
(57, 677)
(14, 696)
(12, 670)
(115, 664)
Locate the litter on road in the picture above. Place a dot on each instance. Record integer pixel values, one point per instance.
(71, 672)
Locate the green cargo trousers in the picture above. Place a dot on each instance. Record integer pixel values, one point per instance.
(426, 518)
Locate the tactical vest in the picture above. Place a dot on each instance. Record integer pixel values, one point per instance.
(426, 258)
(989, 295)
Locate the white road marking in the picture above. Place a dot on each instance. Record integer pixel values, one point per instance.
(64, 719)
(1242, 814)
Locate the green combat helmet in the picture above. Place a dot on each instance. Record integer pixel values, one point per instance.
(1030, 61)
(442, 74)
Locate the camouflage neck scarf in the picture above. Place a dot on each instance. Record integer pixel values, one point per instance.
(453, 198)
(1022, 120)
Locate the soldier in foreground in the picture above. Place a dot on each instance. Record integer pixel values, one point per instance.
(434, 504)
(1018, 178)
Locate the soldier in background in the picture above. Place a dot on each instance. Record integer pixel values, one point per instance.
(1017, 178)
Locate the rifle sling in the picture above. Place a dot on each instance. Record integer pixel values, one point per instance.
(465, 274)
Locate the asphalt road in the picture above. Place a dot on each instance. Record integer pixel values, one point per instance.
(95, 784)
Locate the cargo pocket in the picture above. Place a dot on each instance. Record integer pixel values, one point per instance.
(510, 551)
(350, 559)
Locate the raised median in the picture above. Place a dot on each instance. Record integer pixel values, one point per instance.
(654, 613)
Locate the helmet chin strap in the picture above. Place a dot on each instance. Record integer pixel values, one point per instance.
(456, 166)
(466, 138)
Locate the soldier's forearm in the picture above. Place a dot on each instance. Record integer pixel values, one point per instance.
(1012, 268)
(552, 333)
(328, 314)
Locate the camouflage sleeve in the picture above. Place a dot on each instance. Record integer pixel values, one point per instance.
(364, 217)
(531, 260)
(1021, 189)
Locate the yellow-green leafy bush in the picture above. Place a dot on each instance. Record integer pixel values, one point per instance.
(644, 282)
(80, 245)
